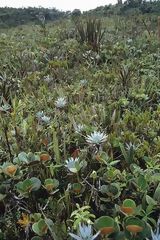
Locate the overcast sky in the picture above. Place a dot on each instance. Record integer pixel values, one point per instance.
(59, 4)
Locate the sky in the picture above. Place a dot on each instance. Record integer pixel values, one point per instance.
(59, 4)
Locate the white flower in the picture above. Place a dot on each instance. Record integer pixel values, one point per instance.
(96, 138)
(5, 107)
(48, 79)
(156, 236)
(79, 128)
(73, 165)
(42, 117)
(45, 119)
(41, 18)
(3, 35)
(85, 233)
(130, 146)
(129, 40)
(61, 102)
(39, 115)
(83, 82)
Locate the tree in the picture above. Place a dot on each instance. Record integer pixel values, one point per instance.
(76, 13)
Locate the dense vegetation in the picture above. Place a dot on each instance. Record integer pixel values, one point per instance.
(11, 17)
(79, 129)
(129, 7)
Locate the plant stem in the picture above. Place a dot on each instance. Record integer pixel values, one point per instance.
(78, 179)
(7, 142)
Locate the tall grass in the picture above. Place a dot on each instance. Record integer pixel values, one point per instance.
(159, 28)
(91, 32)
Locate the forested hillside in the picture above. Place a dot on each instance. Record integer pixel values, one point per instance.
(10, 17)
(13, 17)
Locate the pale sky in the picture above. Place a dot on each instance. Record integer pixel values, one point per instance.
(59, 4)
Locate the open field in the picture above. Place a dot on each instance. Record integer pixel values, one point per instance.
(80, 129)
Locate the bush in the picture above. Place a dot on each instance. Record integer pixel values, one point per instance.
(91, 32)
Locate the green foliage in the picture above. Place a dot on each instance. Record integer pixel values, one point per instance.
(82, 215)
(10, 17)
(90, 32)
(79, 128)
(28, 185)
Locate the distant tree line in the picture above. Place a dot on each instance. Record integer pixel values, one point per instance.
(128, 7)
(10, 17)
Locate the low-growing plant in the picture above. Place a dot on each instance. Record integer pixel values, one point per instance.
(79, 130)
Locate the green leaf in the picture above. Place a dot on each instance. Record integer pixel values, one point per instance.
(50, 226)
(23, 157)
(123, 151)
(36, 238)
(156, 196)
(36, 183)
(104, 221)
(150, 200)
(20, 187)
(56, 147)
(141, 182)
(35, 228)
(27, 185)
(2, 196)
(155, 177)
(129, 203)
(40, 227)
(36, 217)
(112, 190)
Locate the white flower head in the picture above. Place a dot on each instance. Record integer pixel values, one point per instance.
(84, 233)
(73, 165)
(42, 117)
(48, 79)
(45, 119)
(61, 102)
(129, 40)
(131, 146)
(3, 35)
(83, 82)
(96, 138)
(39, 115)
(156, 235)
(5, 107)
(41, 18)
(79, 128)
